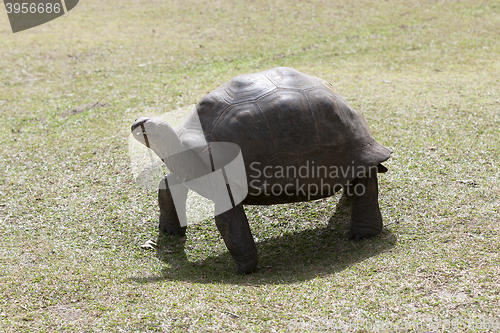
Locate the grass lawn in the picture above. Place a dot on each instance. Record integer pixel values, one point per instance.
(425, 74)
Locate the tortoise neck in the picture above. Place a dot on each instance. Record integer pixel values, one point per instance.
(169, 143)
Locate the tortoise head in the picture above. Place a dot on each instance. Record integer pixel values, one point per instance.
(157, 134)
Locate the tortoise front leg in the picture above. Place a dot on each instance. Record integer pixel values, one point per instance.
(366, 219)
(169, 218)
(234, 228)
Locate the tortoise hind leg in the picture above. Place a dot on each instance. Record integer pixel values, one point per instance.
(169, 218)
(366, 219)
(234, 228)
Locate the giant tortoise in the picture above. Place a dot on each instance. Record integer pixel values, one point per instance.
(299, 139)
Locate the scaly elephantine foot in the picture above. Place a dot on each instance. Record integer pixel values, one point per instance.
(361, 235)
(171, 229)
(246, 268)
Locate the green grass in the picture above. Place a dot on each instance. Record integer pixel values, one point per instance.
(426, 77)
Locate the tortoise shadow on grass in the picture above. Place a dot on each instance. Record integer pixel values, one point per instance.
(289, 258)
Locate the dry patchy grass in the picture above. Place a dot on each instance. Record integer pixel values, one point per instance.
(425, 74)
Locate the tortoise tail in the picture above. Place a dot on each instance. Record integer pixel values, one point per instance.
(381, 169)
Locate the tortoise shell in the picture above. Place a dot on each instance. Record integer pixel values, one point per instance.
(284, 120)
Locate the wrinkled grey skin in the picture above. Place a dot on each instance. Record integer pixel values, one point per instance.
(277, 117)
